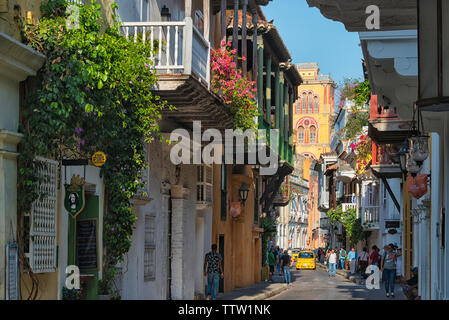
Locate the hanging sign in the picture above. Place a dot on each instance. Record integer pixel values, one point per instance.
(74, 200)
(98, 159)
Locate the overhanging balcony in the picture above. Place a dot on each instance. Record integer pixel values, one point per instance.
(385, 126)
(382, 165)
(182, 63)
(370, 217)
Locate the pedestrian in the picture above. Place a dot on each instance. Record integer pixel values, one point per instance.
(286, 264)
(332, 256)
(280, 271)
(271, 264)
(213, 270)
(352, 259)
(338, 257)
(342, 257)
(389, 269)
(374, 257)
(363, 261)
(276, 256)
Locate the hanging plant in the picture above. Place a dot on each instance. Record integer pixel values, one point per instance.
(238, 93)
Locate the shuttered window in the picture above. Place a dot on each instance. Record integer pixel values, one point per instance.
(43, 224)
(150, 248)
(224, 192)
(204, 184)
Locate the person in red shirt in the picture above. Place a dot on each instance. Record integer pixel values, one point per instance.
(374, 257)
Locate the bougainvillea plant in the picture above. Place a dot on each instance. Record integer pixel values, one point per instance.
(363, 150)
(238, 93)
(93, 94)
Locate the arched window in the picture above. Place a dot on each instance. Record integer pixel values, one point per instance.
(304, 103)
(301, 135)
(312, 134)
(310, 106)
(316, 103)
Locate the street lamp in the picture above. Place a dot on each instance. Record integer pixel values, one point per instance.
(243, 192)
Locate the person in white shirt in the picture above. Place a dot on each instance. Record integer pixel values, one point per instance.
(332, 263)
(363, 260)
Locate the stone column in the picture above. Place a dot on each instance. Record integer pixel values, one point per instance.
(179, 203)
(17, 62)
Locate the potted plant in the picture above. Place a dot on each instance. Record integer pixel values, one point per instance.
(104, 287)
(71, 294)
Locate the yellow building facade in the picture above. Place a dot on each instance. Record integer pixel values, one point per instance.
(313, 111)
(312, 120)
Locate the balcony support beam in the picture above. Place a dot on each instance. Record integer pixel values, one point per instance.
(206, 12)
(268, 90)
(244, 36)
(188, 8)
(223, 20)
(235, 30)
(387, 185)
(255, 17)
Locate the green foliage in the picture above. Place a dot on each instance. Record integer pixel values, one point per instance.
(93, 94)
(355, 123)
(268, 224)
(351, 223)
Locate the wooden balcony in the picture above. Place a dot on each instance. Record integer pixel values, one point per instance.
(382, 164)
(385, 126)
(182, 63)
(370, 217)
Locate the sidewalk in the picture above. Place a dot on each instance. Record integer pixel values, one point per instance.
(259, 291)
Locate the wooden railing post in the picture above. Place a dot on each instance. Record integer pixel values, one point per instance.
(187, 46)
(244, 43)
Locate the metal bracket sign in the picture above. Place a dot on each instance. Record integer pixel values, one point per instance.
(12, 272)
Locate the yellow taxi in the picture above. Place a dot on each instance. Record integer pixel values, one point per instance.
(295, 253)
(305, 260)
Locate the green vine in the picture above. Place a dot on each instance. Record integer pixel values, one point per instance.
(93, 94)
(352, 224)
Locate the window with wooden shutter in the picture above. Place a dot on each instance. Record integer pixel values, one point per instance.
(43, 224)
(204, 184)
(150, 248)
(145, 191)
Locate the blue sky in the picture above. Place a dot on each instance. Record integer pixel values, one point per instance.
(310, 37)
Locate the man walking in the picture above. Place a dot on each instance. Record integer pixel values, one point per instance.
(389, 269)
(286, 264)
(213, 269)
(352, 258)
(342, 258)
(332, 256)
(363, 260)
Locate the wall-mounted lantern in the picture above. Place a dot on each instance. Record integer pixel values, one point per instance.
(243, 192)
(165, 14)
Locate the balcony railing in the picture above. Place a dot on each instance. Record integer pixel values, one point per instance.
(381, 154)
(182, 48)
(346, 206)
(377, 111)
(370, 217)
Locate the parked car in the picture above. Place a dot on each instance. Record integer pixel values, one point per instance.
(306, 260)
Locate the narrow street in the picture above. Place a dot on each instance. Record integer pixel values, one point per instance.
(316, 285)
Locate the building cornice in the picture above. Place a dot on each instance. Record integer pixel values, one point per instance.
(18, 61)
